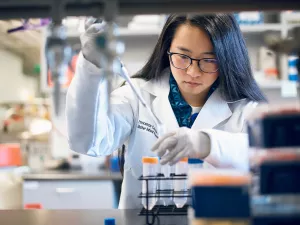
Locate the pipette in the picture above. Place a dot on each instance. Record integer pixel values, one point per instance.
(160, 125)
(111, 48)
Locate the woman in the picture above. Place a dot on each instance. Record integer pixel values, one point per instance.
(197, 81)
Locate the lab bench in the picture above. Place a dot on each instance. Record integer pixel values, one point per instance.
(96, 217)
(81, 217)
(72, 189)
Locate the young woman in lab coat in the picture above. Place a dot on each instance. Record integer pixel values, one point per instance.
(197, 81)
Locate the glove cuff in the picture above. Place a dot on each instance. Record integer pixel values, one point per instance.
(89, 68)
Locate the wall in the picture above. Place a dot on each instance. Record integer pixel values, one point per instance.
(13, 84)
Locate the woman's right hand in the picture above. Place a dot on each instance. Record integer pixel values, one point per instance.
(93, 29)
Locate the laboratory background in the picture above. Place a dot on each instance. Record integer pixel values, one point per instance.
(38, 172)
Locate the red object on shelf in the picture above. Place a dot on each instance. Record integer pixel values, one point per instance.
(69, 73)
(10, 155)
(33, 206)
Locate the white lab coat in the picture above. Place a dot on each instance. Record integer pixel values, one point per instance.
(92, 132)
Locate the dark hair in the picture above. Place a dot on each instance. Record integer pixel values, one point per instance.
(235, 76)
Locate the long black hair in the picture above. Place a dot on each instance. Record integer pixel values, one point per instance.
(235, 76)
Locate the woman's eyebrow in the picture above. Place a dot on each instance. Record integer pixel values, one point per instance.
(190, 51)
(208, 53)
(184, 49)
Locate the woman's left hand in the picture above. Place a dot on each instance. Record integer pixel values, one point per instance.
(182, 143)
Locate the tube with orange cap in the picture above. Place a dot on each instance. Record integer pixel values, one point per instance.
(166, 185)
(219, 197)
(150, 169)
(180, 186)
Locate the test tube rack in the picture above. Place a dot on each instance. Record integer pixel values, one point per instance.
(160, 210)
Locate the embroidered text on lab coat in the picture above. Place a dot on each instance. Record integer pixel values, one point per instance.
(147, 127)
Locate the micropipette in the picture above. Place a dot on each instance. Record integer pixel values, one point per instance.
(160, 125)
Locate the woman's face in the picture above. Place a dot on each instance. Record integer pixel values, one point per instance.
(192, 41)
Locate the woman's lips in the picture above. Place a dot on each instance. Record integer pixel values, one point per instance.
(192, 84)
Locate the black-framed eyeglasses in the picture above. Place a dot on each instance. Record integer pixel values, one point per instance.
(181, 61)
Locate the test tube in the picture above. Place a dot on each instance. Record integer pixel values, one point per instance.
(180, 186)
(166, 186)
(195, 163)
(213, 190)
(150, 165)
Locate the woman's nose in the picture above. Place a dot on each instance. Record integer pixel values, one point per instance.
(193, 70)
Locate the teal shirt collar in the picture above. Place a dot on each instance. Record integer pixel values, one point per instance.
(181, 108)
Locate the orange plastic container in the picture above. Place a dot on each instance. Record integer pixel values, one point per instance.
(33, 206)
(184, 159)
(10, 155)
(150, 160)
(224, 177)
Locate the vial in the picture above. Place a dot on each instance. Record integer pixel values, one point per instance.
(195, 163)
(150, 168)
(180, 185)
(166, 185)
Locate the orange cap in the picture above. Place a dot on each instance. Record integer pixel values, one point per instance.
(10, 155)
(218, 178)
(280, 156)
(151, 160)
(184, 159)
(33, 206)
(271, 72)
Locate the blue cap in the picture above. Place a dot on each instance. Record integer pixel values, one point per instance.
(195, 161)
(109, 221)
(114, 164)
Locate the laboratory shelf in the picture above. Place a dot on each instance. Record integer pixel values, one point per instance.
(155, 31)
(36, 101)
(126, 32)
(123, 31)
(270, 84)
(273, 84)
(139, 32)
(292, 17)
(257, 28)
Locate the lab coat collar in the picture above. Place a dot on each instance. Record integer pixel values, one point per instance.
(214, 111)
(161, 105)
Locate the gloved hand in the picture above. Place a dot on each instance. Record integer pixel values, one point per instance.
(93, 28)
(182, 143)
